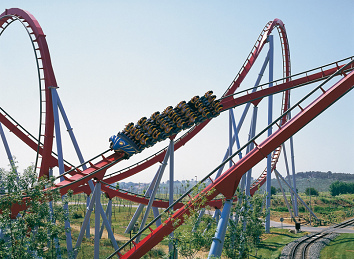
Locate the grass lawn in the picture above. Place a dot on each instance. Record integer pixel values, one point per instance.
(329, 209)
(341, 247)
(272, 244)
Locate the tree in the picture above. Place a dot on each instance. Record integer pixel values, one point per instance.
(36, 228)
(311, 191)
(338, 187)
(196, 233)
(243, 234)
(245, 229)
(273, 190)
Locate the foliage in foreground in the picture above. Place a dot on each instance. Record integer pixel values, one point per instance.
(196, 232)
(243, 232)
(36, 230)
(245, 227)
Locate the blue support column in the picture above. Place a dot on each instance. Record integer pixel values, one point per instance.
(108, 214)
(96, 200)
(292, 154)
(88, 224)
(234, 138)
(270, 120)
(296, 210)
(57, 132)
(170, 245)
(61, 164)
(7, 149)
(89, 210)
(218, 240)
(295, 193)
(152, 197)
(288, 174)
(70, 131)
(156, 212)
(97, 222)
(238, 146)
(217, 215)
(57, 104)
(107, 224)
(250, 147)
(140, 208)
(230, 137)
(243, 115)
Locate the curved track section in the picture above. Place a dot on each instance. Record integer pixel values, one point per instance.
(78, 179)
(226, 184)
(46, 75)
(252, 57)
(40, 47)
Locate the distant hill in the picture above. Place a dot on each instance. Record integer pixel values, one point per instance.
(327, 175)
(319, 180)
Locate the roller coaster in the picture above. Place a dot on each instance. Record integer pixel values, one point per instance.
(90, 176)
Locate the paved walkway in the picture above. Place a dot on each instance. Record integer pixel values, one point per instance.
(307, 228)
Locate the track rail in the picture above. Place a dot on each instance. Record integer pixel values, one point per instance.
(250, 60)
(43, 61)
(301, 249)
(304, 78)
(46, 80)
(298, 80)
(27, 137)
(46, 75)
(227, 183)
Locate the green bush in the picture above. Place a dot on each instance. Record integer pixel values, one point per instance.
(311, 191)
(77, 215)
(281, 209)
(338, 187)
(323, 210)
(325, 200)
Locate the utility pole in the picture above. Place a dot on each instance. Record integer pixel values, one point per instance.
(310, 190)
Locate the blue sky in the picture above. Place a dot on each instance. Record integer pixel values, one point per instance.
(116, 61)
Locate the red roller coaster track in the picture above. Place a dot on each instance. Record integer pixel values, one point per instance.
(227, 183)
(45, 149)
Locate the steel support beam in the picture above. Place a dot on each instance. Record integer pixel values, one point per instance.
(61, 163)
(270, 131)
(284, 196)
(295, 193)
(218, 240)
(153, 194)
(250, 147)
(141, 206)
(296, 210)
(7, 149)
(171, 249)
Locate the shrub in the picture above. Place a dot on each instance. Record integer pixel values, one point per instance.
(37, 228)
(311, 191)
(77, 215)
(273, 190)
(338, 187)
(281, 209)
